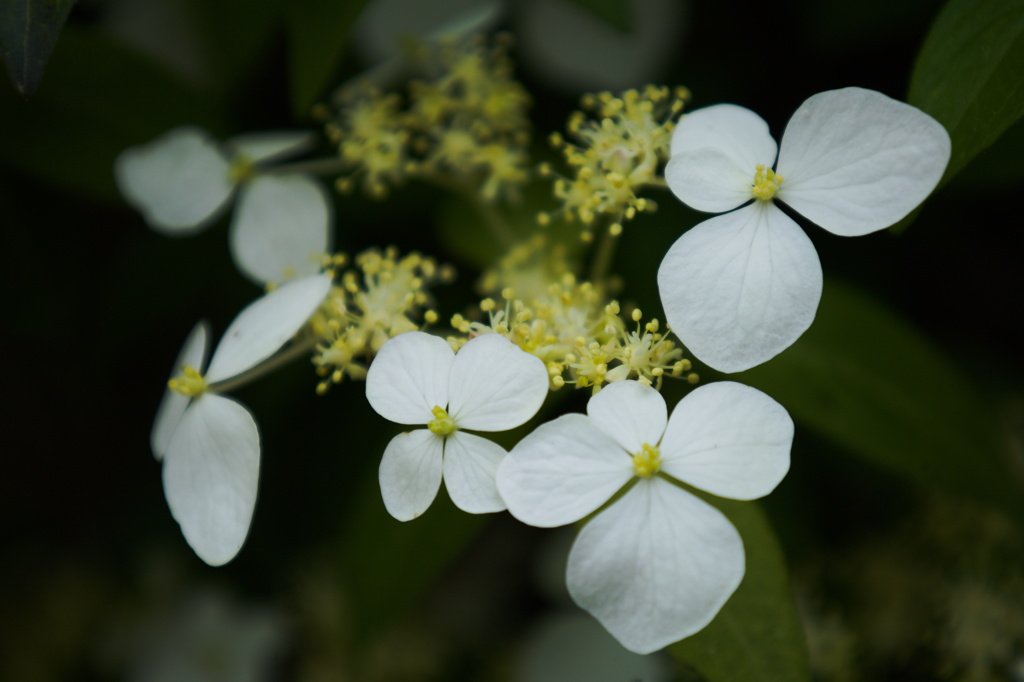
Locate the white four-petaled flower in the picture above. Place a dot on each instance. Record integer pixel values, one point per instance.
(489, 385)
(209, 443)
(741, 287)
(657, 564)
(183, 180)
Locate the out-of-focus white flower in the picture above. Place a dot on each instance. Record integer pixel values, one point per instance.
(658, 563)
(416, 378)
(183, 180)
(209, 443)
(741, 287)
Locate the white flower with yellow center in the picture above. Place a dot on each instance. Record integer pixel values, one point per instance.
(182, 181)
(416, 378)
(658, 563)
(741, 287)
(209, 443)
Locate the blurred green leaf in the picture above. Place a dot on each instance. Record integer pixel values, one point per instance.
(867, 380)
(99, 98)
(318, 31)
(757, 636)
(388, 564)
(28, 32)
(234, 33)
(615, 13)
(970, 74)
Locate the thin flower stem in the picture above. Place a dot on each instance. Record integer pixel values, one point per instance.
(603, 258)
(315, 166)
(293, 352)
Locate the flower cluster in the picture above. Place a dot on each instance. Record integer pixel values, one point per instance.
(465, 123)
(378, 299)
(616, 154)
(569, 324)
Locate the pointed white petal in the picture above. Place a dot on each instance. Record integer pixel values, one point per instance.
(739, 288)
(855, 161)
(410, 473)
(729, 439)
(656, 566)
(210, 473)
(172, 406)
(179, 181)
(265, 325)
(562, 471)
(409, 377)
(495, 385)
(629, 413)
(272, 146)
(470, 465)
(281, 227)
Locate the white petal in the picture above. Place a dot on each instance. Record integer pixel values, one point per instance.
(172, 406)
(265, 325)
(271, 146)
(739, 288)
(281, 227)
(179, 181)
(562, 471)
(735, 131)
(629, 413)
(409, 377)
(470, 464)
(855, 161)
(495, 385)
(729, 439)
(211, 472)
(410, 473)
(656, 566)
(709, 180)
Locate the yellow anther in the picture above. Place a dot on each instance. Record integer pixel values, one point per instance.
(766, 183)
(430, 316)
(647, 462)
(441, 424)
(487, 304)
(189, 382)
(637, 314)
(239, 170)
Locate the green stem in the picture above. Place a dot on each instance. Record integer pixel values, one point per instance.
(316, 166)
(282, 358)
(603, 258)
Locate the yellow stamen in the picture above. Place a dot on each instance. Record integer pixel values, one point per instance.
(441, 424)
(647, 462)
(766, 183)
(189, 382)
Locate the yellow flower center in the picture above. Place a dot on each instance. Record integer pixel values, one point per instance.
(189, 382)
(240, 170)
(647, 462)
(766, 183)
(441, 424)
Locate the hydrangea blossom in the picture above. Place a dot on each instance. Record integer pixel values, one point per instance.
(182, 181)
(416, 378)
(209, 443)
(658, 563)
(741, 287)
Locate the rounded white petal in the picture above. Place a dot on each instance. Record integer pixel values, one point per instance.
(265, 325)
(179, 181)
(739, 288)
(708, 180)
(409, 377)
(495, 385)
(410, 473)
(211, 471)
(735, 131)
(855, 161)
(470, 465)
(629, 413)
(729, 439)
(172, 406)
(273, 145)
(281, 227)
(656, 566)
(562, 471)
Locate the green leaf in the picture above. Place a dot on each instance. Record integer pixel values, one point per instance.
(615, 13)
(318, 32)
(757, 636)
(28, 32)
(969, 74)
(100, 98)
(388, 564)
(871, 383)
